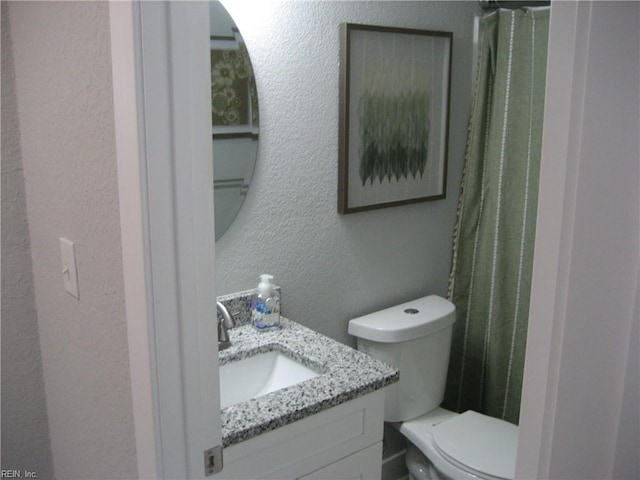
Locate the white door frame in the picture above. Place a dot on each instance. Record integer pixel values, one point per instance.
(162, 112)
(586, 261)
(160, 61)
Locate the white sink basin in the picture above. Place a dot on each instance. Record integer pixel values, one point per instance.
(258, 375)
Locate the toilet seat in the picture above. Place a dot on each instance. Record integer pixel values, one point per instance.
(478, 445)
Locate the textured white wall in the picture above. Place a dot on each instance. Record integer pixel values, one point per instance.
(24, 412)
(65, 108)
(333, 267)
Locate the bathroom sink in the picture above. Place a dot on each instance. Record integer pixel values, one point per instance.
(255, 376)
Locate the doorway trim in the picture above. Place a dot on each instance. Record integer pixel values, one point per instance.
(160, 61)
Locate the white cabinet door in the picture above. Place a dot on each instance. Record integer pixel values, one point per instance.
(310, 444)
(363, 465)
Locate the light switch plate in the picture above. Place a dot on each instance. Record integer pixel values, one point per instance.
(69, 270)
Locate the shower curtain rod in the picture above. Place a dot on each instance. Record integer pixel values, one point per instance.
(513, 4)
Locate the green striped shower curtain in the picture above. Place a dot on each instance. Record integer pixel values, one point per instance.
(494, 236)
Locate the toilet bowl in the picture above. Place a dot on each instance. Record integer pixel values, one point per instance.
(415, 337)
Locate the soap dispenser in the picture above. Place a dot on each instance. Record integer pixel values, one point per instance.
(265, 305)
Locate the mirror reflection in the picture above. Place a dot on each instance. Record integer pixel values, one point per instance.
(234, 116)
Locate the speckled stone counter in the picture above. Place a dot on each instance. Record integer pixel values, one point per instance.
(346, 374)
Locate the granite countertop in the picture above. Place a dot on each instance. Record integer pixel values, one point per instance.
(346, 374)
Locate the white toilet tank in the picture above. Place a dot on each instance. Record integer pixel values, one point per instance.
(414, 337)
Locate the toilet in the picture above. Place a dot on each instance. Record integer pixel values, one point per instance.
(415, 337)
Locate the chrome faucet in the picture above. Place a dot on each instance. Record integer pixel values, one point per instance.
(223, 325)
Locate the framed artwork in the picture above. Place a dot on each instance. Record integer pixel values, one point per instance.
(394, 116)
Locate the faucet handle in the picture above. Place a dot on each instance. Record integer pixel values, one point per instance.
(223, 325)
(223, 335)
(228, 319)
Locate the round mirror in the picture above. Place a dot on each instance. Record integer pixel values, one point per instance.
(234, 116)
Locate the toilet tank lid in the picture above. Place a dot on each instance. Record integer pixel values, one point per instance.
(407, 321)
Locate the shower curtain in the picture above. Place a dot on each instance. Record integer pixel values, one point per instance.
(494, 235)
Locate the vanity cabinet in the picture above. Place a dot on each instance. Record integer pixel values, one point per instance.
(363, 465)
(342, 442)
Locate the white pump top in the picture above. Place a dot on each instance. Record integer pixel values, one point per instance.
(265, 286)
